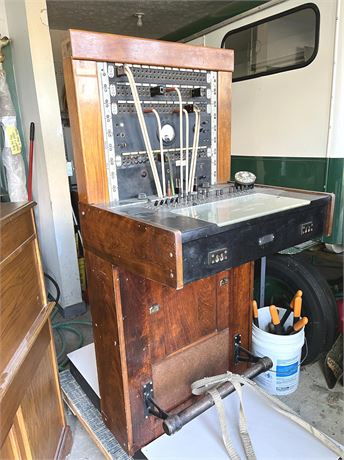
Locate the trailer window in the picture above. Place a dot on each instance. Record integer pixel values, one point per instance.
(279, 43)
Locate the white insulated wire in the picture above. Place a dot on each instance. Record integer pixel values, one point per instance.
(143, 127)
(161, 152)
(186, 150)
(194, 148)
(181, 138)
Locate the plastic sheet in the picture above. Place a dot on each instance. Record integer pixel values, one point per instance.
(14, 163)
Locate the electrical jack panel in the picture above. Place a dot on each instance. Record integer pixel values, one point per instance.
(128, 167)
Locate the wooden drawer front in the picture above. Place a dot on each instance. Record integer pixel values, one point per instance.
(14, 393)
(41, 412)
(14, 232)
(21, 300)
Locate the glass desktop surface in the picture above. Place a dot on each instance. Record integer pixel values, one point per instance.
(241, 208)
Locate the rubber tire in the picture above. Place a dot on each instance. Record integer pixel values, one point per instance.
(319, 303)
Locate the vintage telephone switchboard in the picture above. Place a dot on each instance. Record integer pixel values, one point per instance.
(169, 241)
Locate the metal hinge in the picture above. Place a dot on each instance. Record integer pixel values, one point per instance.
(150, 406)
(241, 355)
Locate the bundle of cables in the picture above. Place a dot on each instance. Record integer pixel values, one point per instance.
(60, 327)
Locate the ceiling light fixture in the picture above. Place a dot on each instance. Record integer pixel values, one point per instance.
(139, 19)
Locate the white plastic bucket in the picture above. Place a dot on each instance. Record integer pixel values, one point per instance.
(284, 351)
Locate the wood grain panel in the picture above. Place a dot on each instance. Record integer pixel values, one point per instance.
(184, 316)
(8, 450)
(87, 133)
(224, 101)
(144, 249)
(109, 345)
(174, 375)
(10, 400)
(41, 403)
(224, 298)
(240, 313)
(21, 300)
(132, 50)
(15, 229)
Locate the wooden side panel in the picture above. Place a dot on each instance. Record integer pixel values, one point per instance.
(147, 250)
(224, 101)
(240, 315)
(14, 232)
(137, 353)
(40, 411)
(87, 133)
(184, 316)
(119, 48)
(21, 300)
(224, 298)
(109, 345)
(174, 375)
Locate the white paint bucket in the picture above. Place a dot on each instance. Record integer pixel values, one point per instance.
(284, 351)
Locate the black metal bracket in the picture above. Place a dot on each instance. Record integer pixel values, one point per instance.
(150, 406)
(241, 355)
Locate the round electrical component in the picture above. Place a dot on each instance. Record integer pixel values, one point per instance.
(244, 179)
(168, 133)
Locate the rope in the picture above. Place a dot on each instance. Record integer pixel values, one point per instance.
(209, 384)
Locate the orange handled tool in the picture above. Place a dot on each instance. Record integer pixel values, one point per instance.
(297, 309)
(275, 319)
(255, 313)
(299, 325)
(298, 294)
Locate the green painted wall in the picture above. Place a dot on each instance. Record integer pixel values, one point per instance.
(303, 173)
(335, 184)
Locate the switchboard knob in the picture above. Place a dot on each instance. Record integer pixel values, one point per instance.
(157, 91)
(197, 92)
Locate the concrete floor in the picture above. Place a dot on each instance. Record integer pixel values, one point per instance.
(313, 401)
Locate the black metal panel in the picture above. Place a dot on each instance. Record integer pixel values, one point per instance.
(245, 243)
(133, 170)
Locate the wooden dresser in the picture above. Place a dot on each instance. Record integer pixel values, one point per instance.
(33, 424)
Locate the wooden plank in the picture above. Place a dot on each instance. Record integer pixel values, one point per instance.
(90, 418)
(15, 230)
(184, 316)
(84, 110)
(173, 376)
(147, 250)
(109, 346)
(132, 50)
(224, 101)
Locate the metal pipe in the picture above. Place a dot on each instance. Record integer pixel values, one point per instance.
(175, 422)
